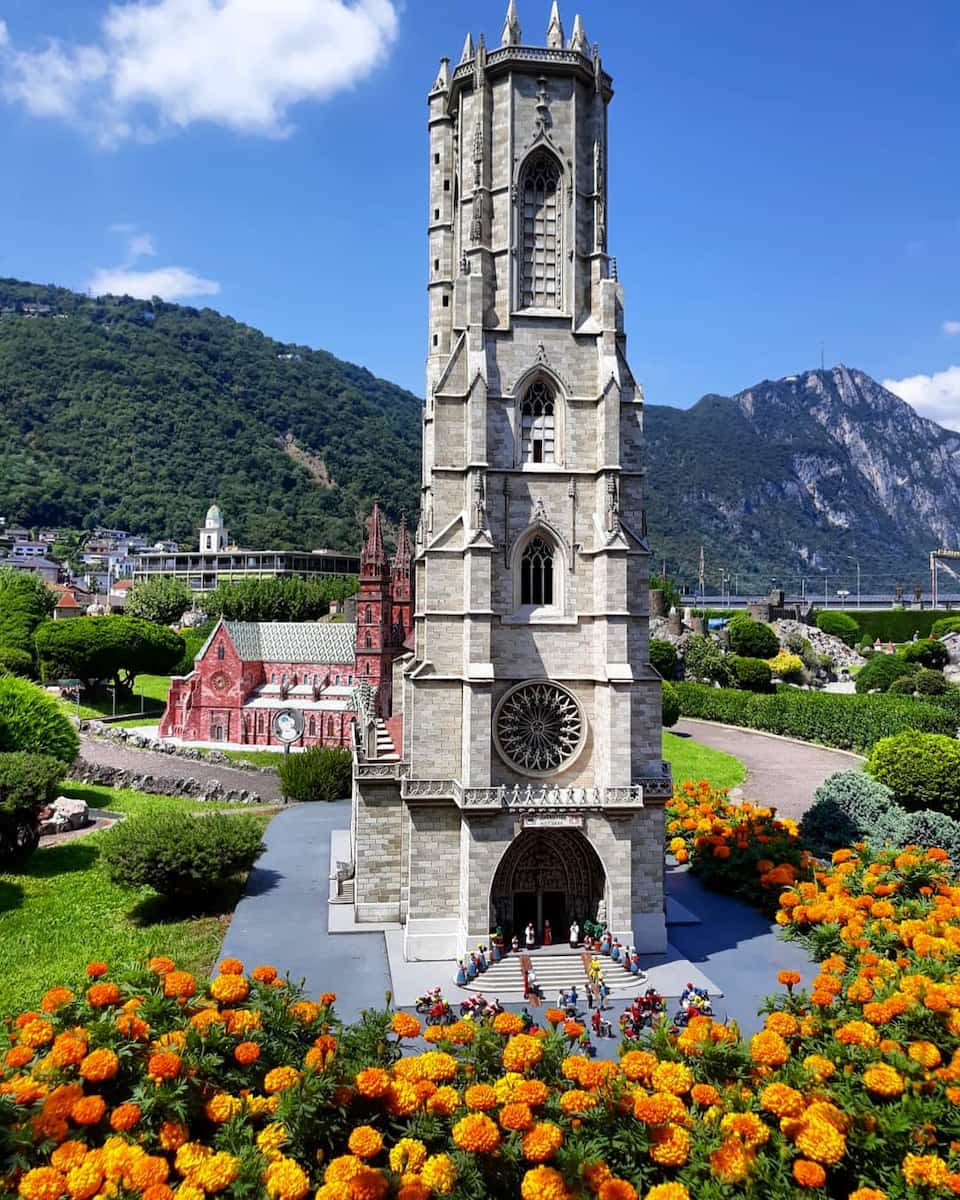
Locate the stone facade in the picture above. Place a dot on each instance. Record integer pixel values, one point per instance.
(529, 703)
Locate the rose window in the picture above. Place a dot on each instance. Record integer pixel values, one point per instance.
(539, 728)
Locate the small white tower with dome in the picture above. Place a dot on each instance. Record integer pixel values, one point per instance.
(213, 535)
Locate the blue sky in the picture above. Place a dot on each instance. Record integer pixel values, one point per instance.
(782, 174)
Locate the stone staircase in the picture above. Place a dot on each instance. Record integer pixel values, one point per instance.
(386, 750)
(556, 968)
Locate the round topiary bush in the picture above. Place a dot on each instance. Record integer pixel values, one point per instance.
(881, 671)
(921, 769)
(669, 704)
(752, 639)
(930, 683)
(663, 658)
(839, 624)
(185, 858)
(846, 807)
(928, 652)
(944, 626)
(933, 829)
(903, 685)
(787, 666)
(14, 661)
(33, 721)
(751, 674)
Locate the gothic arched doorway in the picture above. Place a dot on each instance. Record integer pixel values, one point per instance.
(550, 875)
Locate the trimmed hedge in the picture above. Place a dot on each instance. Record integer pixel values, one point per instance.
(892, 624)
(944, 626)
(32, 720)
(846, 722)
(320, 773)
(669, 704)
(752, 674)
(839, 624)
(921, 769)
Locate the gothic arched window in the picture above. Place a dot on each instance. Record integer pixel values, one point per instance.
(369, 616)
(367, 641)
(330, 727)
(536, 573)
(538, 427)
(313, 726)
(540, 250)
(221, 651)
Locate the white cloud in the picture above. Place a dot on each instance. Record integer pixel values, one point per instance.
(951, 328)
(4, 32)
(140, 246)
(162, 64)
(169, 283)
(936, 396)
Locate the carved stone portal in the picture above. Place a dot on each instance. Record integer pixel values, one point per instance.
(554, 874)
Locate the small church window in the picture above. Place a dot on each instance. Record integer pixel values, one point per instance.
(540, 192)
(338, 681)
(538, 425)
(367, 641)
(330, 727)
(316, 680)
(313, 727)
(369, 616)
(350, 680)
(273, 677)
(536, 573)
(221, 651)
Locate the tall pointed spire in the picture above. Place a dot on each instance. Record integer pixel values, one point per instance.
(578, 39)
(511, 26)
(401, 560)
(373, 559)
(555, 28)
(468, 50)
(443, 76)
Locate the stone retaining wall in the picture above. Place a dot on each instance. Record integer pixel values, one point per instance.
(139, 741)
(116, 777)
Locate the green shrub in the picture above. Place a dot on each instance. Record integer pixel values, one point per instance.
(669, 704)
(847, 722)
(929, 829)
(752, 639)
(25, 601)
(751, 674)
(28, 782)
(34, 721)
(839, 624)
(846, 807)
(881, 671)
(927, 652)
(320, 773)
(14, 661)
(193, 640)
(921, 769)
(663, 658)
(930, 683)
(182, 857)
(945, 625)
(704, 661)
(903, 685)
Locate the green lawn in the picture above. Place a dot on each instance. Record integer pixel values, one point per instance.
(690, 760)
(153, 688)
(260, 758)
(62, 911)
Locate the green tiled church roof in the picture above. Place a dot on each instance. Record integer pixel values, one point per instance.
(293, 641)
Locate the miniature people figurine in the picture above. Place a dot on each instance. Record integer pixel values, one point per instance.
(604, 992)
(481, 957)
(574, 935)
(595, 1022)
(461, 974)
(514, 943)
(472, 967)
(547, 934)
(495, 954)
(561, 999)
(533, 988)
(572, 997)
(605, 942)
(530, 936)
(528, 1021)
(615, 951)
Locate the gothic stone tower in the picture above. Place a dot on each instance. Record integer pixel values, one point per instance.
(530, 784)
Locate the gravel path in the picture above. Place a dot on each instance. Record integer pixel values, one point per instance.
(170, 766)
(779, 771)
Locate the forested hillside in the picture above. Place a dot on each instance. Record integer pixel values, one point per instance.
(137, 415)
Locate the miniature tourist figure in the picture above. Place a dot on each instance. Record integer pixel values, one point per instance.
(461, 974)
(514, 943)
(605, 942)
(481, 957)
(530, 936)
(615, 951)
(604, 992)
(547, 934)
(495, 954)
(595, 1022)
(574, 935)
(472, 967)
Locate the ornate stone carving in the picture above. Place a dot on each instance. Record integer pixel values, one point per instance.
(539, 728)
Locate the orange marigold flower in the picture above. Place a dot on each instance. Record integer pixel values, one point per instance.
(867, 1193)
(372, 1082)
(522, 1052)
(857, 1033)
(669, 1145)
(820, 1141)
(789, 979)
(404, 1025)
(444, 1101)
(733, 1161)
(246, 1053)
(809, 1174)
(160, 964)
(158, 1191)
(782, 1101)
(786, 1024)
(531, 1091)
(476, 1133)
(481, 1097)
(132, 1026)
(573, 1029)
(173, 1135)
(264, 973)
(85, 1179)
(516, 1116)
(180, 985)
(230, 966)
(286, 1180)
(769, 1049)
(56, 998)
(124, 1117)
(402, 1098)
(924, 1170)
(327, 999)
(100, 1065)
(508, 1023)
(68, 1155)
(672, 1077)
(883, 1080)
(18, 1056)
(705, 1094)
(101, 995)
(667, 1191)
(658, 1108)
(36, 1033)
(439, 1174)
(544, 1183)
(747, 1126)
(617, 1189)
(229, 989)
(408, 1155)
(555, 1015)
(577, 1101)
(819, 1066)
(542, 1141)
(365, 1141)
(96, 969)
(89, 1110)
(42, 1183)
(163, 1064)
(280, 1078)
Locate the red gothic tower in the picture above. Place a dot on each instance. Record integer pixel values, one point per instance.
(374, 616)
(400, 587)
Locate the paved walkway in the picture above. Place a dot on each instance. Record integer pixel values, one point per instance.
(109, 753)
(779, 771)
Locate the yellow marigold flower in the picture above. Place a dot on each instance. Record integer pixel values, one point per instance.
(438, 1066)
(229, 989)
(544, 1183)
(190, 1191)
(925, 1053)
(809, 1174)
(223, 1107)
(818, 1066)
(408, 1155)
(280, 1078)
(365, 1141)
(176, 1039)
(542, 1141)
(481, 1097)
(522, 1052)
(68, 1155)
(204, 1019)
(476, 1133)
(867, 1193)
(100, 1065)
(747, 1126)
(506, 1087)
(85, 1179)
(820, 1141)
(857, 1033)
(270, 1139)
(286, 1180)
(444, 1101)
(638, 1065)
(372, 1082)
(667, 1191)
(56, 998)
(439, 1174)
(769, 1049)
(782, 1101)
(733, 1161)
(342, 1169)
(672, 1077)
(925, 1170)
(189, 1157)
(883, 1080)
(669, 1145)
(173, 1135)
(402, 1098)
(576, 1101)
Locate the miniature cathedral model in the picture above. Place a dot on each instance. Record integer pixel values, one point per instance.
(525, 783)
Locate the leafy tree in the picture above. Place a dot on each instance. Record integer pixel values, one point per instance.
(33, 721)
(25, 601)
(671, 596)
(752, 639)
(28, 782)
(116, 648)
(704, 661)
(287, 598)
(162, 600)
(945, 625)
(928, 652)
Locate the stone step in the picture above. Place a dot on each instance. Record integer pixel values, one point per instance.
(554, 972)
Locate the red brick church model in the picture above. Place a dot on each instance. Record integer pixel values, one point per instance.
(247, 671)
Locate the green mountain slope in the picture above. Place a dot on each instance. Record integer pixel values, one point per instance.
(130, 414)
